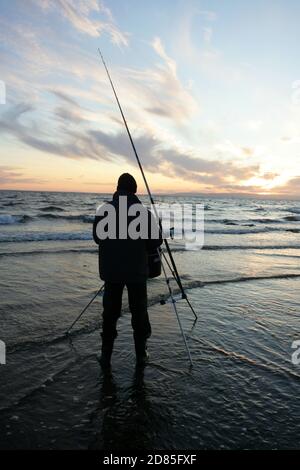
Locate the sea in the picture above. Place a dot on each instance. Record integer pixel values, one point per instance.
(243, 389)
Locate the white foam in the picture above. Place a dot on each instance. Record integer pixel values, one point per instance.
(43, 236)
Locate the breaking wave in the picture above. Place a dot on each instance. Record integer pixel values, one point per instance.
(7, 219)
(294, 210)
(292, 218)
(44, 236)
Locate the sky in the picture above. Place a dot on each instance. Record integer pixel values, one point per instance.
(210, 90)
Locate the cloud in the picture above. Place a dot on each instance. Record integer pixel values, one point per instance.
(41, 60)
(248, 151)
(156, 156)
(292, 187)
(184, 166)
(269, 176)
(78, 13)
(253, 124)
(160, 50)
(11, 123)
(10, 175)
(69, 115)
(207, 35)
(64, 97)
(209, 15)
(159, 90)
(171, 162)
(69, 110)
(146, 93)
(118, 145)
(154, 98)
(205, 56)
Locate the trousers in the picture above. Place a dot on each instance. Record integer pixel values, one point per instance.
(112, 305)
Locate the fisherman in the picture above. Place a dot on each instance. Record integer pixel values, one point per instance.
(123, 261)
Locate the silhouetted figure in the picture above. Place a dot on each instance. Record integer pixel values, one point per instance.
(123, 261)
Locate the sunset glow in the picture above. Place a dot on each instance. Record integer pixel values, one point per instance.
(211, 91)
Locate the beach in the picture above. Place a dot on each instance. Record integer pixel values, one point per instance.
(242, 391)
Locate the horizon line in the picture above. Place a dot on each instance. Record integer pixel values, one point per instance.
(180, 193)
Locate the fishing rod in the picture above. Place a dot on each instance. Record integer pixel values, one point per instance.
(173, 266)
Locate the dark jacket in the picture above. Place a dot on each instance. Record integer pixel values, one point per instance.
(125, 260)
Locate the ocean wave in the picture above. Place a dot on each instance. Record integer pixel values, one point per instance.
(243, 226)
(33, 388)
(194, 284)
(247, 230)
(11, 203)
(52, 208)
(292, 218)
(65, 236)
(174, 248)
(252, 222)
(53, 251)
(7, 219)
(267, 221)
(250, 247)
(270, 366)
(294, 210)
(43, 236)
(80, 218)
(92, 326)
